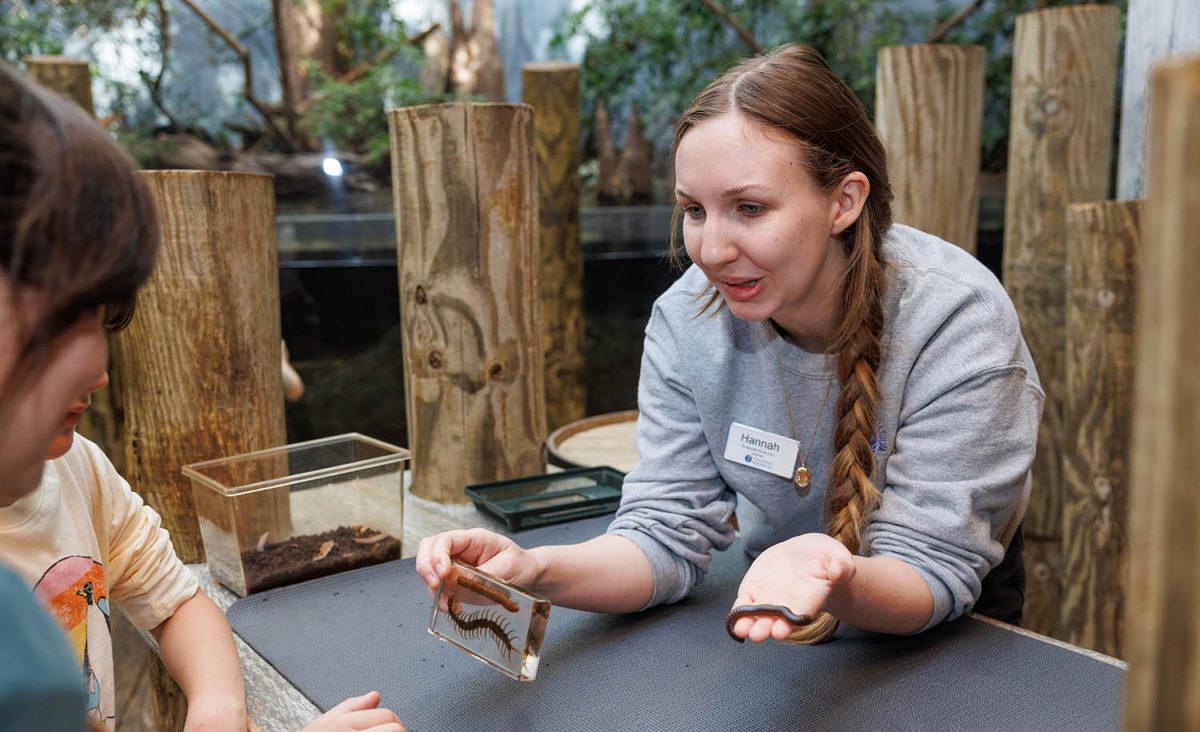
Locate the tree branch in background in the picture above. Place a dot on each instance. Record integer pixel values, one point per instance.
(154, 84)
(361, 70)
(284, 50)
(284, 141)
(740, 29)
(953, 21)
(386, 54)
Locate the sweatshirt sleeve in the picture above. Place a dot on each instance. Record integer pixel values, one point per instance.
(674, 505)
(144, 573)
(963, 451)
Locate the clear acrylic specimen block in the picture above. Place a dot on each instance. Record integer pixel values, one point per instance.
(494, 621)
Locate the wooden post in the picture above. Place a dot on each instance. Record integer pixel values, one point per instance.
(1060, 145)
(70, 77)
(1163, 631)
(1155, 30)
(100, 424)
(200, 361)
(552, 89)
(929, 111)
(465, 191)
(1102, 265)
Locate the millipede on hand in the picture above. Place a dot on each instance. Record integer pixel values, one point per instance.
(480, 623)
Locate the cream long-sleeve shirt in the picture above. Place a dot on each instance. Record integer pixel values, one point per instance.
(83, 539)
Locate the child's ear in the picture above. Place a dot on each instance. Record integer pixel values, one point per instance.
(849, 197)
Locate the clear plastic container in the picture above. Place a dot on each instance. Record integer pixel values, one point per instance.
(288, 514)
(494, 621)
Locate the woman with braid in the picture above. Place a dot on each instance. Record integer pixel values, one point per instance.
(862, 386)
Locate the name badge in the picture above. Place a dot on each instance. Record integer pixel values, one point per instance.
(761, 450)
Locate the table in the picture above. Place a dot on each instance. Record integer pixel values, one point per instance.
(273, 704)
(970, 674)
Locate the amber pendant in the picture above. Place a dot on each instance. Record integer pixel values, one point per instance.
(802, 477)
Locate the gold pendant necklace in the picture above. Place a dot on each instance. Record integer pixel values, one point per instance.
(802, 477)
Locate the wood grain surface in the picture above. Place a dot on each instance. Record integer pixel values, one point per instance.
(1103, 251)
(465, 192)
(929, 111)
(552, 90)
(199, 363)
(1163, 628)
(1156, 29)
(70, 77)
(1060, 148)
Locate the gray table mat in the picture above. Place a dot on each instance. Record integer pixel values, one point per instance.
(670, 668)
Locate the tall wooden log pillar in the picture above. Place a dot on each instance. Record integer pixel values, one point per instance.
(552, 89)
(1162, 639)
(464, 183)
(1103, 251)
(929, 111)
(73, 79)
(1060, 146)
(200, 361)
(70, 77)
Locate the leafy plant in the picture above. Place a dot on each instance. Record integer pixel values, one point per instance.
(348, 112)
(660, 53)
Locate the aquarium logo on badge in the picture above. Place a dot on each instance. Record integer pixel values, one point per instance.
(879, 440)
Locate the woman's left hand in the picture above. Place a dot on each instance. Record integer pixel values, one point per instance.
(799, 574)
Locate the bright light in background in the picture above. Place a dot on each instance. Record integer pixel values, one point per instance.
(332, 167)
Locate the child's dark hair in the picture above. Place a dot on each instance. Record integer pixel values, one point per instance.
(77, 224)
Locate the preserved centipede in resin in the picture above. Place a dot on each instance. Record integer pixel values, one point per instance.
(481, 623)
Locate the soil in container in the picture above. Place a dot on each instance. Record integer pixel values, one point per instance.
(309, 556)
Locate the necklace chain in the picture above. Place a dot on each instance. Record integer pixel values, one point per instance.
(802, 477)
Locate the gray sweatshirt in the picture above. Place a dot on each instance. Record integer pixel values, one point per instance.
(958, 421)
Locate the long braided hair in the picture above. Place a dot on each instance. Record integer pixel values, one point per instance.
(793, 90)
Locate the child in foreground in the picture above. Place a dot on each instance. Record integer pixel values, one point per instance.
(78, 238)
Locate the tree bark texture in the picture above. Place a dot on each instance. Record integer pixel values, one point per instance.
(464, 182)
(929, 111)
(68, 76)
(1060, 145)
(200, 361)
(1103, 250)
(1163, 629)
(552, 90)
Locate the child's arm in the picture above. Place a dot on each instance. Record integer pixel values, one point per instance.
(197, 648)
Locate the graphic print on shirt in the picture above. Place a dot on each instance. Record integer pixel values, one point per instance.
(74, 592)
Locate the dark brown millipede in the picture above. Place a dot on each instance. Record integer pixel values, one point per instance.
(490, 593)
(779, 611)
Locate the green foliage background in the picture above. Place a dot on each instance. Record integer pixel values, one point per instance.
(659, 53)
(653, 53)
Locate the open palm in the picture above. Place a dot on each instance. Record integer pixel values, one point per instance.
(798, 574)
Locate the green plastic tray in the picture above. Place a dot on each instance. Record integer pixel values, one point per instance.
(524, 503)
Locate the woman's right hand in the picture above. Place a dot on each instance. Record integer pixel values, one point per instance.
(490, 552)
